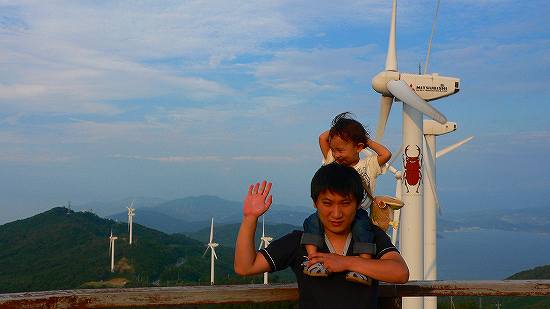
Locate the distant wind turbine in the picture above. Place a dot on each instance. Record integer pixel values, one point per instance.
(211, 245)
(112, 250)
(264, 242)
(131, 214)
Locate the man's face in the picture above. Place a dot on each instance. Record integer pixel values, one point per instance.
(336, 212)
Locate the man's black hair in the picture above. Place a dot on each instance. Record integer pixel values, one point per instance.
(337, 178)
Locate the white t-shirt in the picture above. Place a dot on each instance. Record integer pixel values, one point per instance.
(368, 168)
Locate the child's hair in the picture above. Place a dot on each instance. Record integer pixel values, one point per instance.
(337, 178)
(348, 129)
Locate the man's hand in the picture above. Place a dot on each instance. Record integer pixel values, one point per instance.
(334, 263)
(258, 200)
(256, 203)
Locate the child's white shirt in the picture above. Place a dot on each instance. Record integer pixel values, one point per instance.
(368, 168)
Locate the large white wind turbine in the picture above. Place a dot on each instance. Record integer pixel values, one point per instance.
(264, 242)
(112, 250)
(413, 90)
(211, 245)
(131, 214)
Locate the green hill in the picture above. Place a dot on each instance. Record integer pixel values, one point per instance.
(540, 302)
(63, 249)
(537, 273)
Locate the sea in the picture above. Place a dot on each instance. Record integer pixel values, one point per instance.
(489, 254)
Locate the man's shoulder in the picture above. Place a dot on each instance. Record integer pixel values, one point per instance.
(295, 235)
(288, 241)
(383, 242)
(284, 251)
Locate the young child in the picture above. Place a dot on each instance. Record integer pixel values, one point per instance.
(342, 144)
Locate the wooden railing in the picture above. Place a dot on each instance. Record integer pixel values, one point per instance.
(390, 295)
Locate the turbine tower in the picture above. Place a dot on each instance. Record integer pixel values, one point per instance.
(264, 242)
(112, 250)
(413, 90)
(431, 201)
(131, 214)
(211, 245)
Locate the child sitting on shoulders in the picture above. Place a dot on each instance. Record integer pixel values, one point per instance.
(342, 144)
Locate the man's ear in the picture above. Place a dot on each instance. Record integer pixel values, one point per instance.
(360, 146)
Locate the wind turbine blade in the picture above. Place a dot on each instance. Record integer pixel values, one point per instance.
(261, 244)
(391, 57)
(396, 155)
(403, 92)
(451, 148)
(110, 246)
(389, 164)
(214, 253)
(392, 169)
(431, 184)
(132, 204)
(205, 251)
(431, 38)
(385, 108)
(211, 231)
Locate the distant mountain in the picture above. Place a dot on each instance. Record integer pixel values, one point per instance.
(154, 219)
(536, 220)
(199, 208)
(190, 214)
(227, 234)
(113, 207)
(63, 249)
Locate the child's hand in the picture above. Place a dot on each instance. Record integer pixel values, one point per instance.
(334, 263)
(378, 202)
(258, 200)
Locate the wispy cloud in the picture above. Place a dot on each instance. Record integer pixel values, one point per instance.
(207, 158)
(34, 158)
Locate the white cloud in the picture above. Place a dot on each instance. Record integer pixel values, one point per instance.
(208, 158)
(318, 70)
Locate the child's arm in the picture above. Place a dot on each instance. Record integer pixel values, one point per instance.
(389, 268)
(247, 260)
(383, 153)
(324, 143)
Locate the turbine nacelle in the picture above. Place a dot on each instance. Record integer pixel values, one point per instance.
(432, 86)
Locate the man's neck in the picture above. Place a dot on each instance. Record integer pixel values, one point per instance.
(338, 241)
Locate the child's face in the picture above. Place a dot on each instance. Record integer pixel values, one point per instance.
(345, 152)
(336, 212)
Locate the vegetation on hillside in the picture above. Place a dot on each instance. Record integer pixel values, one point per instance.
(63, 249)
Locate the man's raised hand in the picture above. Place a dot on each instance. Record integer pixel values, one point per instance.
(257, 200)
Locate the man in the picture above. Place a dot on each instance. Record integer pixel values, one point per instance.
(337, 192)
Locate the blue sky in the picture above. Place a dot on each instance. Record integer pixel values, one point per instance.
(104, 100)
